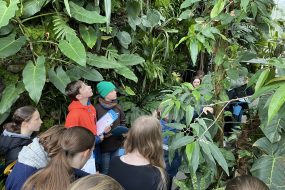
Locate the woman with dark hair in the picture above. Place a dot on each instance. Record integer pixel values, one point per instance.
(19, 133)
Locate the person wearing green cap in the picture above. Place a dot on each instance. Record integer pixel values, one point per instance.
(111, 144)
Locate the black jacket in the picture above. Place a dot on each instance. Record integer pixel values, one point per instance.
(11, 146)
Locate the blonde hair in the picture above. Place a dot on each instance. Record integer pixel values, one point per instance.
(96, 182)
(145, 136)
(59, 174)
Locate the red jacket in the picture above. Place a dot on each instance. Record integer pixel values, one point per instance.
(80, 115)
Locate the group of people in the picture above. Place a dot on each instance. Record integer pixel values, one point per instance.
(53, 159)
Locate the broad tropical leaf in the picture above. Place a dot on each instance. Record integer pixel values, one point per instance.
(102, 62)
(244, 4)
(127, 73)
(189, 114)
(180, 142)
(262, 78)
(34, 78)
(270, 169)
(90, 74)
(130, 59)
(73, 49)
(88, 34)
(9, 96)
(9, 46)
(7, 12)
(219, 157)
(31, 7)
(277, 101)
(59, 78)
(219, 6)
(194, 50)
(66, 4)
(187, 3)
(83, 15)
(124, 39)
(61, 28)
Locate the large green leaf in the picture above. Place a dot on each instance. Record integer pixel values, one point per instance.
(83, 15)
(9, 46)
(124, 39)
(102, 62)
(73, 49)
(270, 169)
(180, 142)
(262, 78)
(189, 114)
(194, 50)
(88, 34)
(127, 73)
(66, 4)
(7, 12)
(277, 101)
(219, 157)
(219, 6)
(90, 74)
(59, 78)
(9, 96)
(130, 59)
(31, 7)
(34, 78)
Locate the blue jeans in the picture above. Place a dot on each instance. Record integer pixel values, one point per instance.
(105, 161)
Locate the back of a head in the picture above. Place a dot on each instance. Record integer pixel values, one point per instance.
(50, 139)
(96, 182)
(59, 174)
(21, 114)
(72, 89)
(246, 182)
(145, 136)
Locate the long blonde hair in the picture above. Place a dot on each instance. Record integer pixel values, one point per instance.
(145, 136)
(96, 182)
(59, 174)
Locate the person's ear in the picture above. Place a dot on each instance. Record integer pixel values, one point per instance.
(24, 124)
(87, 153)
(78, 96)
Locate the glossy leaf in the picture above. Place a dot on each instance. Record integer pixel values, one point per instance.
(129, 91)
(124, 39)
(189, 114)
(83, 15)
(262, 78)
(90, 74)
(34, 78)
(59, 78)
(7, 11)
(219, 6)
(219, 157)
(270, 169)
(31, 7)
(277, 101)
(194, 50)
(127, 73)
(180, 142)
(9, 45)
(66, 4)
(73, 49)
(88, 34)
(9, 97)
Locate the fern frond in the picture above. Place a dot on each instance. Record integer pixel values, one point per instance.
(61, 27)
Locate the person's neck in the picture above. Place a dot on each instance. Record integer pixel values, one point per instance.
(135, 158)
(84, 101)
(25, 131)
(75, 162)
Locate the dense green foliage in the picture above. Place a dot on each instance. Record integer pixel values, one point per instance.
(145, 47)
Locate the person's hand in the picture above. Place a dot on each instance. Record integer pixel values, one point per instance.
(208, 109)
(107, 129)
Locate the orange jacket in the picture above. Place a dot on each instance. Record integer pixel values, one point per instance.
(80, 115)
